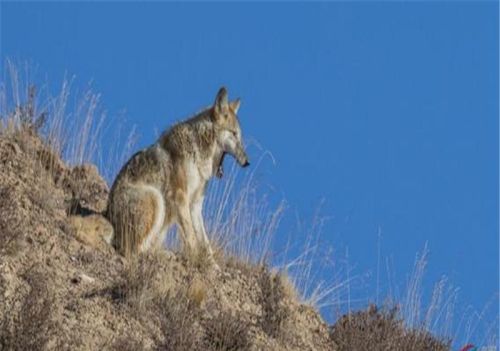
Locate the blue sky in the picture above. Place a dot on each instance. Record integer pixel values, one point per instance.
(386, 111)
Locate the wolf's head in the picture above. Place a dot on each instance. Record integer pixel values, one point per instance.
(229, 135)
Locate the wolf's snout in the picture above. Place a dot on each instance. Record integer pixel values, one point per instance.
(242, 157)
(243, 160)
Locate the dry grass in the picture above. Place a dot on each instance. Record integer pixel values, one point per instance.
(226, 332)
(242, 224)
(72, 128)
(145, 281)
(149, 292)
(178, 317)
(31, 328)
(199, 259)
(197, 291)
(275, 311)
(322, 276)
(128, 344)
(240, 219)
(440, 313)
(381, 330)
(11, 233)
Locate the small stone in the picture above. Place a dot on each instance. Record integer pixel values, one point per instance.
(82, 278)
(86, 279)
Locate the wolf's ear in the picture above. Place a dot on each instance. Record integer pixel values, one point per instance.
(235, 105)
(221, 104)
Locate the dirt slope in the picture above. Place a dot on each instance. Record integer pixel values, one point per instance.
(63, 288)
(59, 293)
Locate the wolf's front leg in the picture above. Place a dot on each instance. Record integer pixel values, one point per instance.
(199, 227)
(201, 234)
(187, 231)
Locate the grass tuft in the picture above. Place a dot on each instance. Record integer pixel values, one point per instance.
(275, 311)
(381, 330)
(226, 332)
(31, 328)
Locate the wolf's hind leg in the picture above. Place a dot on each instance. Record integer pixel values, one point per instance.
(136, 214)
(153, 209)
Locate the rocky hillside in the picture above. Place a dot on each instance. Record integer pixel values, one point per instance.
(61, 289)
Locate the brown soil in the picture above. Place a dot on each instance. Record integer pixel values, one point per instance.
(59, 292)
(63, 288)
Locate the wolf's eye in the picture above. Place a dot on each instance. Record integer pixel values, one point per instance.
(234, 134)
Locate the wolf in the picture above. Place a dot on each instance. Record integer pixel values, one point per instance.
(165, 183)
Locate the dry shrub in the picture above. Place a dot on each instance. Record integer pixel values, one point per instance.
(241, 221)
(288, 286)
(197, 291)
(10, 223)
(150, 292)
(128, 344)
(198, 259)
(275, 311)
(23, 123)
(178, 316)
(229, 262)
(226, 332)
(145, 281)
(381, 330)
(31, 328)
(72, 124)
(26, 113)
